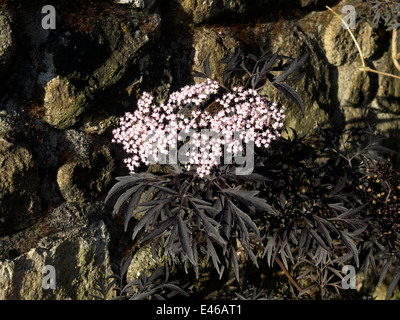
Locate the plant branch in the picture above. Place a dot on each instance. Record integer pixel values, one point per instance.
(286, 272)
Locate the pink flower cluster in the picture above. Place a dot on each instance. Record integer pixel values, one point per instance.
(240, 113)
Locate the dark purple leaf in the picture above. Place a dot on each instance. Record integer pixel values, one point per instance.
(318, 239)
(146, 218)
(122, 198)
(384, 271)
(184, 237)
(351, 247)
(235, 263)
(393, 283)
(290, 93)
(246, 219)
(159, 229)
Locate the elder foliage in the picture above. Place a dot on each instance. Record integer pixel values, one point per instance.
(386, 13)
(308, 206)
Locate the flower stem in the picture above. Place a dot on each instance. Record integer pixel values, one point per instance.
(286, 272)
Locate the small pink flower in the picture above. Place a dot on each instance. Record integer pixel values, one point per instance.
(241, 111)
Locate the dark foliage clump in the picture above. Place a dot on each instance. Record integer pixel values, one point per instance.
(303, 207)
(386, 13)
(156, 285)
(309, 207)
(261, 71)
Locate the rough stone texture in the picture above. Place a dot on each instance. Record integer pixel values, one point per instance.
(383, 112)
(202, 10)
(63, 103)
(290, 40)
(8, 124)
(141, 263)
(76, 141)
(101, 59)
(315, 88)
(7, 44)
(96, 124)
(333, 89)
(340, 47)
(78, 250)
(67, 88)
(210, 42)
(388, 92)
(364, 97)
(84, 180)
(19, 203)
(125, 40)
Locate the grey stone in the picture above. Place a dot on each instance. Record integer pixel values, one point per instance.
(19, 181)
(8, 124)
(76, 141)
(63, 103)
(78, 251)
(124, 41)
(201, 11)
(116, 42)
(80, 181)
(99, 125)
(340, 47)
(142, 262)
(7, 44)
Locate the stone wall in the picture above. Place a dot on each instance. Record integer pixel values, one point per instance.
(62, 92)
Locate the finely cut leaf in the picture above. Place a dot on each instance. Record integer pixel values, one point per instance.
(349, 213)
(185, 240)
(159, 229)
(249, 199)
(350, 246)
(227, 223)
(235, 263)
(127, 181)
(132, 206)
(290, 93)
(213, 254)
(210, 229)
(146, 219)
(393, 283)
(122, 198)
(176, 288)
(247, 220)
(165, 189)
(318, 239)
(384, 271)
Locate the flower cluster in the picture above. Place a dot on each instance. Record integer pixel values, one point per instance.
(153, 131)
